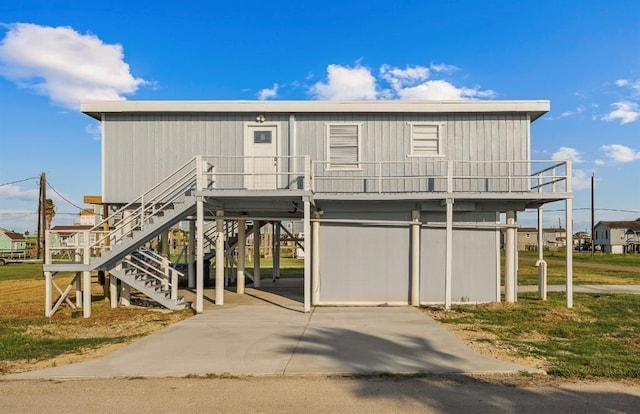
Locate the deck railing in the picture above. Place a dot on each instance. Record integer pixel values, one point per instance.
(443, 176)
(299, 173)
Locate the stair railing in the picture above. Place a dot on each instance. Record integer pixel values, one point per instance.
(147, 206)
(157, 267)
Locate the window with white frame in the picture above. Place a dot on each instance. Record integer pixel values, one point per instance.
(426, 139)
(343, 146)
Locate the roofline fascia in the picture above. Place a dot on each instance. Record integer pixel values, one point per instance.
(536, 108)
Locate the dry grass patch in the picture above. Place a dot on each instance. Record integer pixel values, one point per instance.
(29, 340)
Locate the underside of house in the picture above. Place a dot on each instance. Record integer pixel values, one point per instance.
(401, 202)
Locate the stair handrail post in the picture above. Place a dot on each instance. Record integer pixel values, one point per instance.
(379, 164)
(449, 176)
(308, 174)
(199, 172)
(142, 212)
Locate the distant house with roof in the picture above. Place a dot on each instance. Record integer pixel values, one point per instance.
(552, 238)
(87, 217)
(12, 243)
(618, 237)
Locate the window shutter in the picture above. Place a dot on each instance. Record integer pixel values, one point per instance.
(425, 140)
(343, 146)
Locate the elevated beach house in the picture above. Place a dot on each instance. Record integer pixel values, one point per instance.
(401, 201)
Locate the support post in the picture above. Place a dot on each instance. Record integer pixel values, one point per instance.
(200, 255)
(415, 258)
(164, 244)
(542, 265)
(113, 291)
(125, 294)
(86, 294)
(448, 272)
(569, 238)
(78, 283)
(307, 255)
(242, 241)
(78, 259)
(315, 262)
(48, 276)
(276, 250)
(192, 255)
(510, 258)
(86, 282)
(256, 254)
(220, 258)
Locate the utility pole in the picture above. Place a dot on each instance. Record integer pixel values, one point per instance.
(593, 216)
(41, 214)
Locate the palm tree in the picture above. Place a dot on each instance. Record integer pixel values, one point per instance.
(49, 212)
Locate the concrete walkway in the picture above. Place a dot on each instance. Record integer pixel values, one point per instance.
(266, 334)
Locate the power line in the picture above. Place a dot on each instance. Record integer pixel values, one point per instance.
(19, 181)
(26, 213)
(63, 197)
(586, 208)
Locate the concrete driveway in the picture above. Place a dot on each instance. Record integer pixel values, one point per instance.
(262, 333)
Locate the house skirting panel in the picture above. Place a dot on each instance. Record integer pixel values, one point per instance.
(362, 263)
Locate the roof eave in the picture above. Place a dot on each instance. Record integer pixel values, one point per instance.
(535, 108)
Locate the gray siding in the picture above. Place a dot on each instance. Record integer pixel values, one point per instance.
(475, 263)
(141, 149)
(364, 264)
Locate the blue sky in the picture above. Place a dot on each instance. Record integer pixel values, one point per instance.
(583, 56)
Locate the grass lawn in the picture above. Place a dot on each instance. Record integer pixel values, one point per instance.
(587, 269)
(599, 337)
(29, 340)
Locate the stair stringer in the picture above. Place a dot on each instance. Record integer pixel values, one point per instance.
(149, 291)
(109, 259)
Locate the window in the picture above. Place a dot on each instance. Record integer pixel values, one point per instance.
(343, 142)
(425, 139)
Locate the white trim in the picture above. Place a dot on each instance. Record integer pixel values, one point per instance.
(441, 127)
(536, 108)
(327, 127)
(102, 156)
(248, 143)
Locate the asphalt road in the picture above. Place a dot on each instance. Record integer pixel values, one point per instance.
(320, 394)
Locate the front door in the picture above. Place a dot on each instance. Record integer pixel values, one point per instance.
(261, 162)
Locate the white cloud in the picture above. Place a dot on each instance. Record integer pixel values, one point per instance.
(442, 90)
(410, 83)
(620, 153)
(600, 162)
(399, 78)
(625, 112)
(346, 83)
(268, 93)
(566, 153)
(634, 85)
(15, 192)
(65, 65)
(442, 67)
(580, 109)
(580, 180)
(94, 129)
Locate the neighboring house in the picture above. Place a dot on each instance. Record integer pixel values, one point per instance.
(87, 217)
(527, 238)
(68, 236)
(618, 236)
(12, 244)
(552, 239)
(400, 201)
